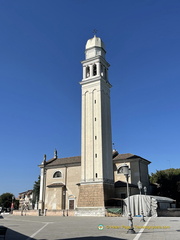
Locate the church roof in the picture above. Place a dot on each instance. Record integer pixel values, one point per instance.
(124, 156)
(77, 160)
(128, 156)
(64, 161)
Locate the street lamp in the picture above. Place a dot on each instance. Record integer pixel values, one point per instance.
(126, 171)
(142, 214)
(145, 190)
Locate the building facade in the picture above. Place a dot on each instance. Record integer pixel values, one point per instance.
(26, 200)
(62, 178)
(87, 183)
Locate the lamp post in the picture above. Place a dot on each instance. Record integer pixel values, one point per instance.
(126, 171)
(145, 190)
(142, 214)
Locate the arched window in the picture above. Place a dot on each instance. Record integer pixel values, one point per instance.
(119, 170)
(57, 174)
(94, 70)
(87, 71)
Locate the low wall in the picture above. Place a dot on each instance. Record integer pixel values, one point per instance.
(90, 212)
(26, 213)
(170, 212)
(62, 213)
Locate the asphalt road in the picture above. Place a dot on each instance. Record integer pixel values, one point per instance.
(89, 228)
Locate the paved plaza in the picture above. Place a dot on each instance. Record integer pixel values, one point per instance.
(89, 228)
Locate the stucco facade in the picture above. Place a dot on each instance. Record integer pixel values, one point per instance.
(25, 200)
(62, 178)
(86, 184)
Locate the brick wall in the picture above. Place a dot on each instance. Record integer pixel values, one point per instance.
(94, 195)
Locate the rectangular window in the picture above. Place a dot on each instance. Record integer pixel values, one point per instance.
(96, 155)
(71, 204)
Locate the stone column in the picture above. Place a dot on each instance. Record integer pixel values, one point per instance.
(42, 184)
(98, 68)
(91, 70)
(84, 72)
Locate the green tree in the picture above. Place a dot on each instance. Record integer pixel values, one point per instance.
(36, 190)
(6, 200)
(168, 182)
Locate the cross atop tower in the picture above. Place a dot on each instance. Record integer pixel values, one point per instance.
(94, 32)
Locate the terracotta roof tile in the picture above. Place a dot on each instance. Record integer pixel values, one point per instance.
(127, 156)
(77, 160)
(64, 161)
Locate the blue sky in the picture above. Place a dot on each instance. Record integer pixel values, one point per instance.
(41, 46)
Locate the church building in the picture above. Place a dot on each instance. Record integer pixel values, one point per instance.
(86, 185)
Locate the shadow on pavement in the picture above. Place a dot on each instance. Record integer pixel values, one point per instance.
(90, 238)
(13, 235)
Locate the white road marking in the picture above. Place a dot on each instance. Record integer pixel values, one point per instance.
(141, 230)
(34, 234)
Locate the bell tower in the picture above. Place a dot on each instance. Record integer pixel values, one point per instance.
(96, 141)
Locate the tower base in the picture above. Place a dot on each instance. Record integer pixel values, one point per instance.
(92, 198)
